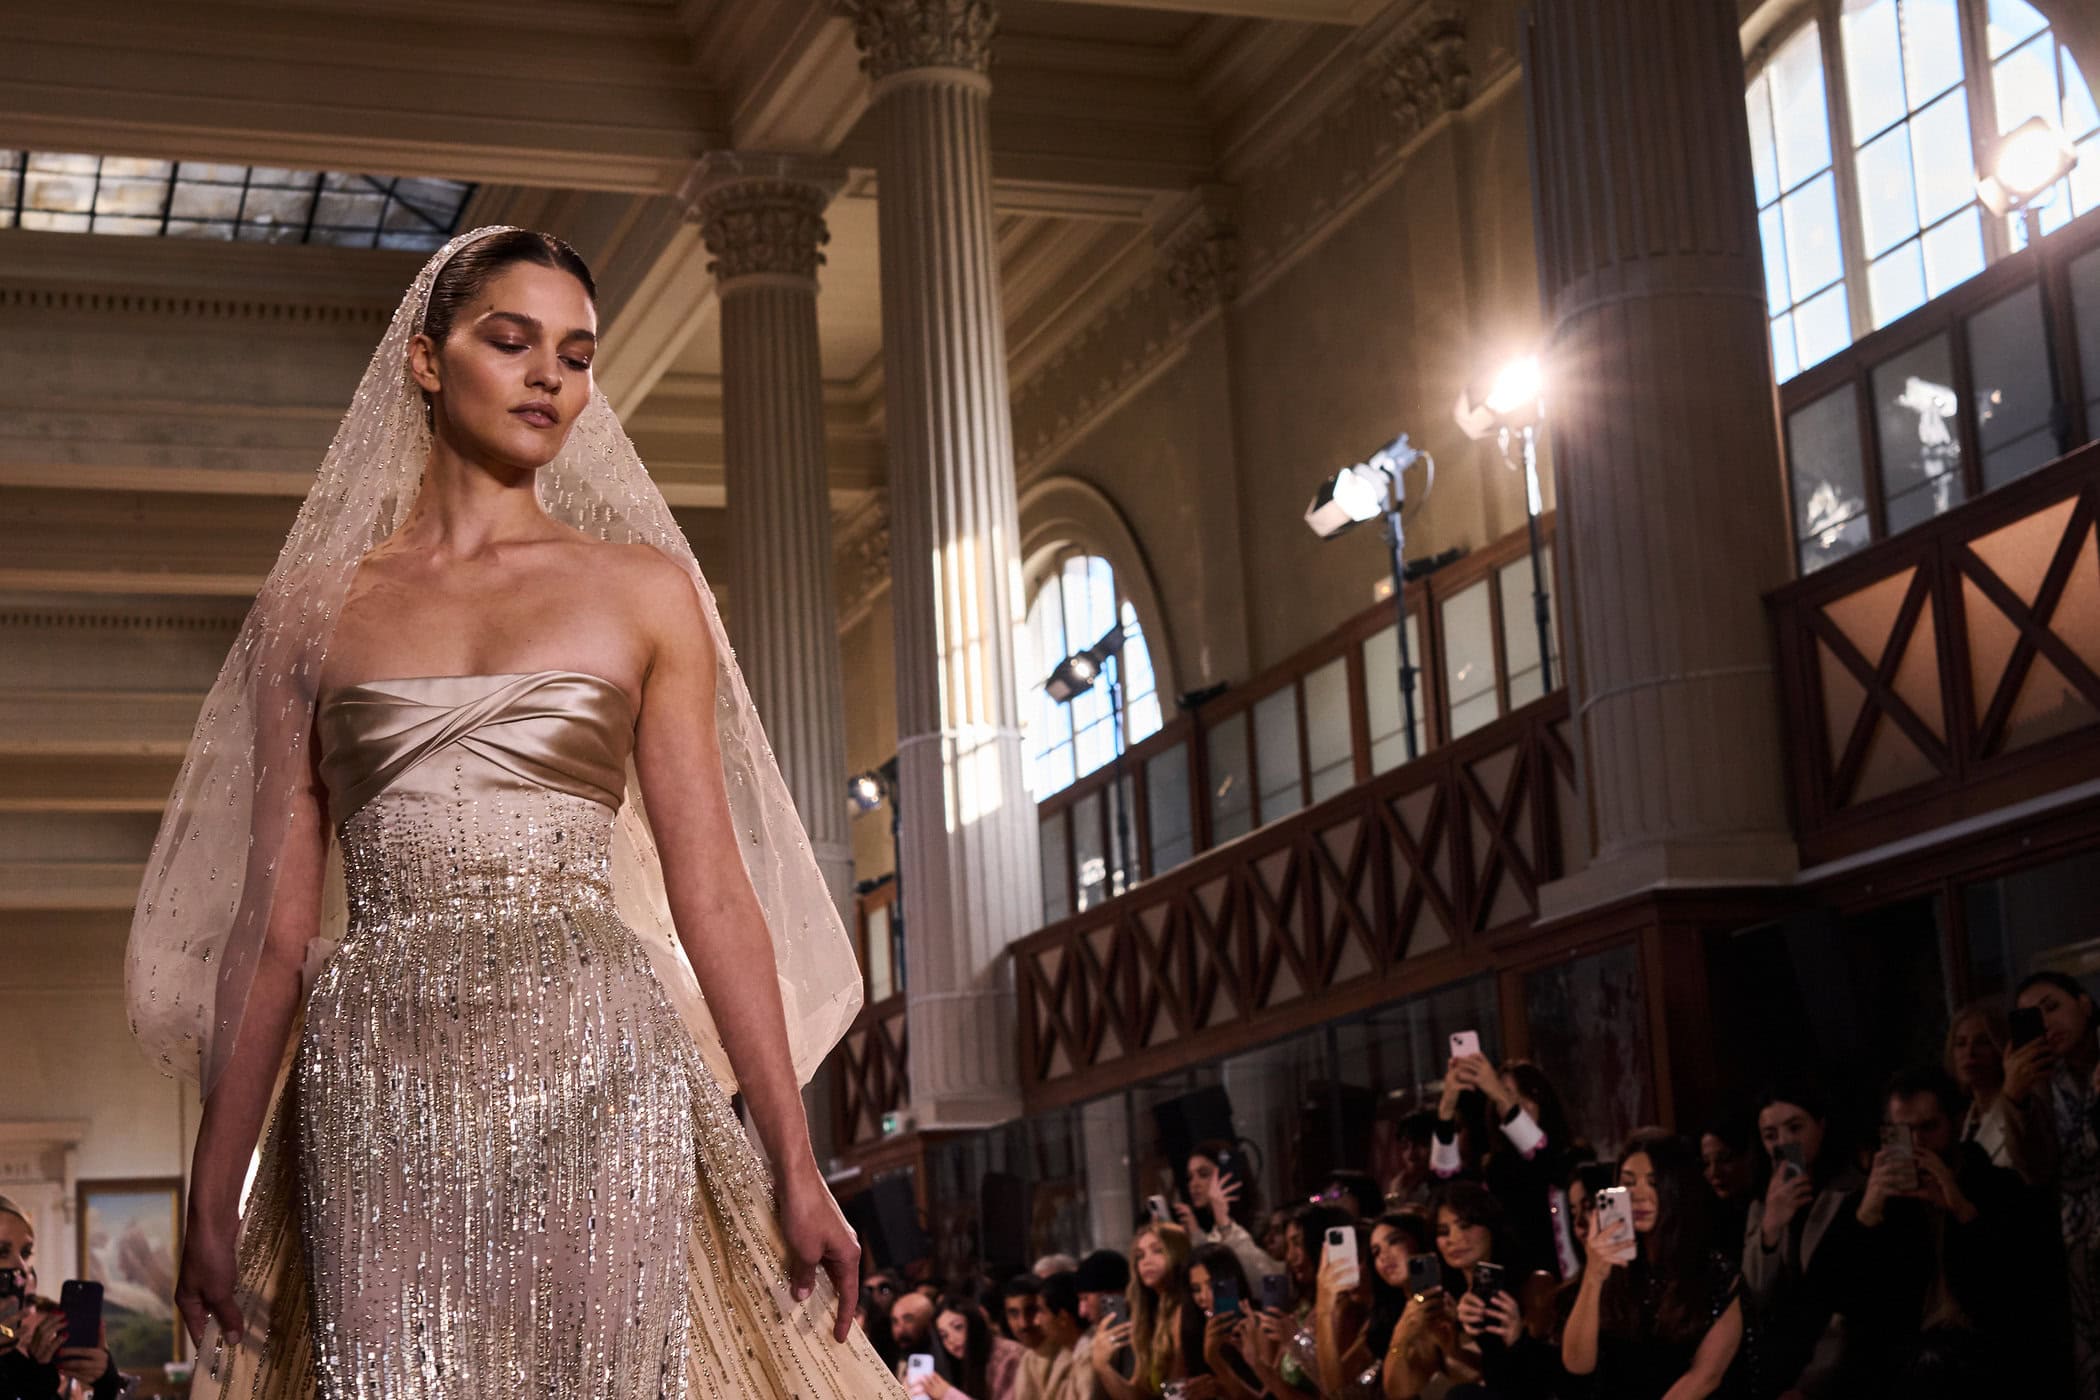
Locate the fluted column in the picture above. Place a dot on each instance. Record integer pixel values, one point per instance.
(762, 217)
(1665, 440)
(968, 856)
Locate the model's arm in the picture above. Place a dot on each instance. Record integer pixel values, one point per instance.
(233, 1116)
(722, 927)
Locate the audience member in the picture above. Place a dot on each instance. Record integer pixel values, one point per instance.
(878, 1294)
(1020, 1303)
(1526, 1168)
(1430, 1347)
(1158, 1292)
(1103, 1275)
(1807, 1191)
(1412, 1182)
(972, 1362)
(2005, 1114)
(1658, 1310)
(38, 1361)
(2071, 1100)
(1220, 1204)
(1726, 1161)
(1218, 1323)
(1052, 1368)
(1054, 1264)
(911, 1323)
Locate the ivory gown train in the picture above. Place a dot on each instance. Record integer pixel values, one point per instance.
(498, 1166)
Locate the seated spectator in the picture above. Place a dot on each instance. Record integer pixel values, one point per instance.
(1449, 1337)
(41, 1362)
(2071, 1111)
(1020, 1304)
(1726, 1160)
(1807, 1189)
(972, 1362)
(1052, 1370)
(1102, 1275)
(1218, 1330)
(1356, 1192)
(1158, 1292)
(1397, 1239)
(878, 1294)
(1657, 1312)
(1286, 1349)
(2005, 1115)
(1526, 1168)
(1220, 1204)
(911, 1324)
(1412, 1182)
(1054, 1264)
(1941, 1273)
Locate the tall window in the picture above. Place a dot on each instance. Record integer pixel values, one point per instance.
(1072, 609)
(1866, 187)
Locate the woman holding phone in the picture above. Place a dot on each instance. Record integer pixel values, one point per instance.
(1658, 1314)
(1221, 1203)
(1526, 1166)
(2005, 1114)
(2070, 1095)
(1218, 1324)
(971, 1362)
(1152, 1330)
(37, 1359)
(1803, 1192)
(1449, 1330)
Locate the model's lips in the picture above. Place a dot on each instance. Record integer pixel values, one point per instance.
(540, 415)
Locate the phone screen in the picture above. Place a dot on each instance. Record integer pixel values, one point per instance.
(1224, 1298)
(1275, 1293)
(921, 1364)
(1424, 1273)
(1487, 1279)
(81, 1301)
(2026, 1025)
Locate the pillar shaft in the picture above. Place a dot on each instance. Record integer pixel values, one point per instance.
(1665, 439)
(969, 858)
(762, 219)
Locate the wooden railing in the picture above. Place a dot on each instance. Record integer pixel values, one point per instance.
(1949, 671)
(1343, 904)
(872, 1073)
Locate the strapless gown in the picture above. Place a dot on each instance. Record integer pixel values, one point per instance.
(499, 1166)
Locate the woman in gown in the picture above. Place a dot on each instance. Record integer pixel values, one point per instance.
(487, 1061)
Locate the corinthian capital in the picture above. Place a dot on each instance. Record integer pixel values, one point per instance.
(1421, 72)
(761, 213)
(898, 35)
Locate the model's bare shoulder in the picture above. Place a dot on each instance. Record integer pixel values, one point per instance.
(658, 592)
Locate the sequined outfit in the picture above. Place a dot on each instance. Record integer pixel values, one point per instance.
(500, 1164)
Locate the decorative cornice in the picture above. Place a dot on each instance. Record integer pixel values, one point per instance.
(1199, 252)
(48, 619)
(896, 36)
(761, 214)
(1421, 72)
(188, 308)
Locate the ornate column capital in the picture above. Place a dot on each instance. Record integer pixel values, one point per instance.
(761, 214)
(1421, 71)
(896, 36)
(1199, 250)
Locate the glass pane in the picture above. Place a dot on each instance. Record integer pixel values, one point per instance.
(2081, 113)
(2033, 920)
(1327, 729)
(1822, 326)
(2009, 384)
(1931, 48)
(1953, 251)
(1167, 808)
(2023, 84)
(1873, 66)
(1830, 493)
(1771, 235)
(1897, 283)
(1888, 208)
(1057, 872)
(1764, 161)
(1469, 659)
(134, 197)
(1520, 630)
(1276, 752)
(1915, 427)
(1382, 696)
(1089, 850)
(2010, 22)
(2085, 316)
(1798, 110)
(1592, 1012)
(1943, 161)
(880, 976)
(1813, 258)
(1231, 784)
(1786, 361)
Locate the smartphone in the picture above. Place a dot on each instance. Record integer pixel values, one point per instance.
(80, 1300)
(920, 1364)
(1898, 1142)
(1488, 1280)
(1341, 1246)
(1275, 1293)
(1117, 1309)
(2025, 1025)
(1465, 1043)
(1790, 1157)
(1224, 1298)
(1425, 1274)
(1614, 1204)
(1156, 1207)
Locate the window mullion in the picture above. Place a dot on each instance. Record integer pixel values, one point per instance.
(1837, 103)
(1983, 112)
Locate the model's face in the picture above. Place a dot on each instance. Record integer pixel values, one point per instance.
(511, 378)
(1462, 1245)
(1024, 1319)
(955, 1333)
(1200, 1289)
(2066, 1020)
(1203, 1174)
(1389, 1254)
(1637, 1175)
(1148, 1259)
(1789, 1122)
(1977, 1061)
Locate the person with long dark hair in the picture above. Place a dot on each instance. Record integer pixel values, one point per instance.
(971, 1362)
(1801, 1195)
(1658, 1312)
(1223, 1203)
(1448, 1333)
(1216, 1339)
(1525, 1164)
(2071, 1099)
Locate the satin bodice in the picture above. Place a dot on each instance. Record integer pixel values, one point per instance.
(562, 731)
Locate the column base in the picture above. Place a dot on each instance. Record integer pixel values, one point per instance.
(965, 1064)
(1761, 858)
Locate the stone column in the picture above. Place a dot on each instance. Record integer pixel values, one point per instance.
(762, 217)
(1664, 441)
(969, 859)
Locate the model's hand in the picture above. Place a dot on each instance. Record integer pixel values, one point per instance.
(205, 1290)
(818, 1235)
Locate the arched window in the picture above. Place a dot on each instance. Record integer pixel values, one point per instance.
(1076, 603)
(1868, 122)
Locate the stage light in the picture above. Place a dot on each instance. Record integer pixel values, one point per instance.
(2025, 167)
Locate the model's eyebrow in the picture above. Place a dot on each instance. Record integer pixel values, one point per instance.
(532, 323)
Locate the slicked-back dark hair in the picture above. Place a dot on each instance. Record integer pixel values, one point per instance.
(472, 267)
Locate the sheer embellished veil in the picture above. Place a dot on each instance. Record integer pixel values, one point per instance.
(204, 906)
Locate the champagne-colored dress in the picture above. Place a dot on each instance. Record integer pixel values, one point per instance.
(498, 1166)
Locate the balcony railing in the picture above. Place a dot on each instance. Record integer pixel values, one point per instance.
(1949, 671)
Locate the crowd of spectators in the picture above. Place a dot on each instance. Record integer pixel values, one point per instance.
(1947, 1243)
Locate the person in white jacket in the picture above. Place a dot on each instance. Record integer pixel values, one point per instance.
(1218, 1192)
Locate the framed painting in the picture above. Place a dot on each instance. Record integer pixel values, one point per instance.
(131, 1242)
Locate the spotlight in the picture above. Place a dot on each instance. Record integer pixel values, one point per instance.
(2025, 166)
(1358, 493)
(864, 791)
(1512, 403)
(1076, 674)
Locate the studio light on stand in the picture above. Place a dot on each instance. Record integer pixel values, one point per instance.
(1365, 491)
(1074, 677)
(2026, 168)
(865, 792)
(1509, 412)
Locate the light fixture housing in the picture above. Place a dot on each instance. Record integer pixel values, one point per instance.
(1346, 500)
(1076, 674)
(865, 791)
(1513, 400)
(2025, 166)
